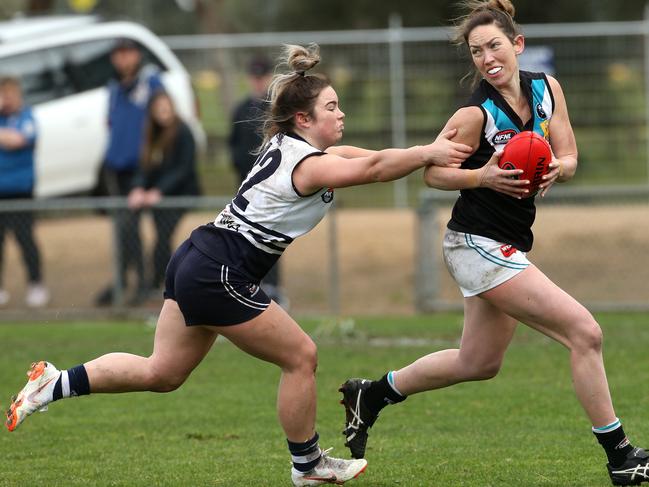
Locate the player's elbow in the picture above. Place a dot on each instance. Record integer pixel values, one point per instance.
(379, 168)
(432, 179)
(376, 174)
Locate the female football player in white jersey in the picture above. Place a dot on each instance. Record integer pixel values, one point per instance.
(212, 281)
(486, 243)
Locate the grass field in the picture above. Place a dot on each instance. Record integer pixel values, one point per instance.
(522, 429)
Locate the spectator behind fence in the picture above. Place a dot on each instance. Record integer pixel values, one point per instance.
(167, 168)
(246, 137)
(17, 177)
(129, 96)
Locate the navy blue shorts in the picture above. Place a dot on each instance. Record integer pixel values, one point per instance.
(211, 293)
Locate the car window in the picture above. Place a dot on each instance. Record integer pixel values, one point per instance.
(88, 66)
(64, 70)
(39, 78)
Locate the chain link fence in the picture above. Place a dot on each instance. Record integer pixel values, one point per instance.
(590, 241)
(95, 253)
(398, 87)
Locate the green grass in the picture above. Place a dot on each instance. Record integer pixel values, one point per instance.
(524, 428)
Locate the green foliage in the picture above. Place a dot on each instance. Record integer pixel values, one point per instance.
(523, 428)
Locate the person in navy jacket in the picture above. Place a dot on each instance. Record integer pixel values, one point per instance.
(128, 98)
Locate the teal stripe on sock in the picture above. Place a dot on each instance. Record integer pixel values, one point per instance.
(608, 427)
(391, 382)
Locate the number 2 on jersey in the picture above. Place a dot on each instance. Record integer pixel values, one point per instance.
(269, 162)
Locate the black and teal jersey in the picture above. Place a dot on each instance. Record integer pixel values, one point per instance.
(486, 212)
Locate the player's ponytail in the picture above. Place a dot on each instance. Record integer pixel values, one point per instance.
(301, 59)
(505, 5)
(294, 91)
(485, 12)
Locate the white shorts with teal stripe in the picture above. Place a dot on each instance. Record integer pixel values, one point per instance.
(479, 263)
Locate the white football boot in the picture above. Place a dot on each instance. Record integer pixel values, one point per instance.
(36, 394)
(329, 471)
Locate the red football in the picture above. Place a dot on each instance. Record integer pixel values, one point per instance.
(531, 153)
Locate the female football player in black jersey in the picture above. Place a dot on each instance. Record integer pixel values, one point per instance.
(486, 243)
(212, 281)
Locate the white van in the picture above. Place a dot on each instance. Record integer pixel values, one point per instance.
(64, 66)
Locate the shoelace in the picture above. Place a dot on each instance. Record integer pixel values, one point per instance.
(325, 453)
(331, 462)
(356, 412)
(641, 471)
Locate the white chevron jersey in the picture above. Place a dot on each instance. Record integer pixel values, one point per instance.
(267, 210)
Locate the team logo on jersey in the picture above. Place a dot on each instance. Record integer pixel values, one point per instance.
(228, 222)
(328, 195)
(540, 112)
(545, 128)
(507, 250)
(503, 136)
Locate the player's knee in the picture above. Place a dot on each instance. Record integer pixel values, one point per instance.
(588, 337)
(171, 384)
(306, 356)
(161, 380)
(483, 371)
(487, 372)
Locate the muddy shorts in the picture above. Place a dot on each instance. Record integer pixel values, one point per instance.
(479, 263)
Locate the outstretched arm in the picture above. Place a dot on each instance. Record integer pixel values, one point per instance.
(349, 151)
(330, 170)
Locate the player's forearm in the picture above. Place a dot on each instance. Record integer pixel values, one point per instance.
(391, 164)
(450, 178)
(568, 167)
(349, 151)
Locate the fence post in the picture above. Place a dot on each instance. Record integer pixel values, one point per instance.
(398, 102)
(426, 268)
(646, 81)
(334, 275)
(118, 282)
